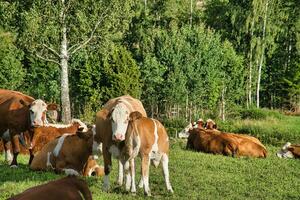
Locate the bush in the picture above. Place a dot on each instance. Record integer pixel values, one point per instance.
(256, 113)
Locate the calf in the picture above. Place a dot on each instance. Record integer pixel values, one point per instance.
(68, 154)
(149, 138)
(289, 151)
(69, 187)
(185, 132)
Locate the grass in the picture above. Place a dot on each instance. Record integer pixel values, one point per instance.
(197, 175)
(193, 176)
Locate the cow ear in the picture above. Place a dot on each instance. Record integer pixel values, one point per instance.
(80, 129)
(52, 106)
(135, 115)
(24, 103)
(215, 126)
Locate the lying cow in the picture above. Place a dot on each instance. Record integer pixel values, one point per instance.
(70, 188)
(91, 168)
(201, 140)
(19, 113)
(44, 134)
(289, 151)
(185, 132)
(224, 143)
(148, 138)
(111, 125)
(68, 154)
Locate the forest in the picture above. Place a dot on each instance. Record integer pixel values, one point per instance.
(183, 59)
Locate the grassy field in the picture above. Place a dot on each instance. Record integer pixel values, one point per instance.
(193, 175)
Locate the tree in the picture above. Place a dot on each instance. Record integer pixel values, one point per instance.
(56, 30)
(11, 71)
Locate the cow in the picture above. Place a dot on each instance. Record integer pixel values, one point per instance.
(111, 125)
(224, 143)
(209, 142)
(91, 168)
(185, 132)
(20, 113)
(212, 126)
(68, 153)
(289, 151)
(44, 134)
(69, 187)
(148, 138)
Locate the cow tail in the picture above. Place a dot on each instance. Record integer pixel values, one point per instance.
(265, 153)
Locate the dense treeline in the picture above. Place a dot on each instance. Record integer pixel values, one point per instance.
(182, 58)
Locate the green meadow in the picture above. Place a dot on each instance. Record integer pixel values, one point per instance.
(198, 175)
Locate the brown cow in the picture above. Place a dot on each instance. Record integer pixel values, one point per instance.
(70, 188)
(149, 138)
(224, 143)
(68, 154)
(289, 151)
(209, 142)
(111, 125)
(19, 113)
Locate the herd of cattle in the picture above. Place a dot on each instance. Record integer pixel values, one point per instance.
(122, 130)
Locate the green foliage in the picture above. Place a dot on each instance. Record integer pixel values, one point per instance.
(11, 71)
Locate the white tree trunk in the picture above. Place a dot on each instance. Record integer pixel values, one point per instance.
(191, 17)
(262, 55)
(64, 57)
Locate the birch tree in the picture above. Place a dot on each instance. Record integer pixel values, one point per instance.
(57, 30)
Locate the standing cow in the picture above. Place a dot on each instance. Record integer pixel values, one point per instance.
(111, 125)
(19, 113)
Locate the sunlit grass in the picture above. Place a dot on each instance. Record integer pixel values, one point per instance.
(193, 176)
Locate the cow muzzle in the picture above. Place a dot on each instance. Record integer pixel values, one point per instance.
(118, 137)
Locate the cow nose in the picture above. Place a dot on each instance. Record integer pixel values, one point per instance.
(118, 137)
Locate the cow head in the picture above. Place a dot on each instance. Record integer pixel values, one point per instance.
(38, 110)
(210, 124)
(88, 136)
(119, 121)
(284, 152)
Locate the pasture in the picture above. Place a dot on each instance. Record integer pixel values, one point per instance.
(196, 175)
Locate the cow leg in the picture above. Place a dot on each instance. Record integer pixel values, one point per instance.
(145, 173)
(107, 168)
(141, 183)
(132, 170)
(121, 173)
(31, 156)
(7, 153)
(127, 174)
(16, 149)
(165, 166)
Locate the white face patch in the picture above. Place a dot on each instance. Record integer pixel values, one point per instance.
(119, 121)
(114, 150)
(185, 132)
(38, 110)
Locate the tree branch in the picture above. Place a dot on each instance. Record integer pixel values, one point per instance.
(52, 50)
(47, 59)
(79, 46)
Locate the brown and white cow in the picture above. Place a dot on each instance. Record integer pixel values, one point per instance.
(91, 168)
(185, 132)
(111, 125)
(19, 113)
(44, 134)
(70, 188)
(148, 138)
(68, 153)
(289, 151)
